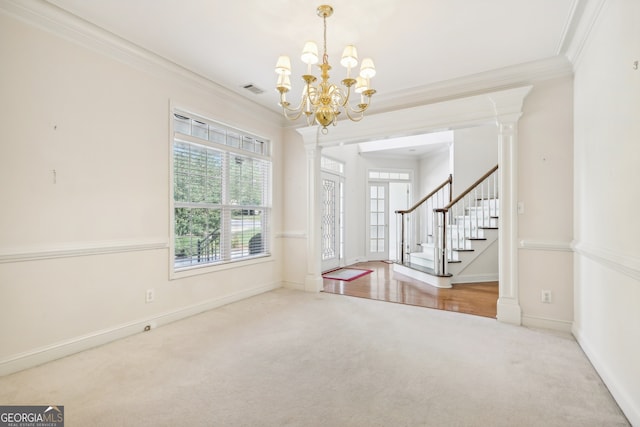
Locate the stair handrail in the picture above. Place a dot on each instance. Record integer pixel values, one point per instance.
(207, 246)
(403, 238)
(425, 198)
(443, 219)
(468, 190)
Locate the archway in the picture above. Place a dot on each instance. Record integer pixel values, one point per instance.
(502, 108)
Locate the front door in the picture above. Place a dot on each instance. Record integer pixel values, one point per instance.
(331, 221)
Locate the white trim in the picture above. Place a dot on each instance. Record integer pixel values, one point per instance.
(586, 14)
(546, 323)
(570, 25)
(356, 260)
(627, 403)
(474, 278)
(544, 245)
(212, 268)
(293, 285)
(516, 75)
(291, 235)
(614, 260)
(80, 249)
(61, 349)
(436, 281)
(49, 17)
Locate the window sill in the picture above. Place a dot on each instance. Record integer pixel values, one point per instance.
(208, 269)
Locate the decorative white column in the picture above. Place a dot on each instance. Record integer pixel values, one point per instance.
(508, 301)
(313, 277)
(507, 107)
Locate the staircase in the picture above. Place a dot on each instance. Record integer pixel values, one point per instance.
(459, 231)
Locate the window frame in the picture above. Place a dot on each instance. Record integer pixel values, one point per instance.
(225, 207)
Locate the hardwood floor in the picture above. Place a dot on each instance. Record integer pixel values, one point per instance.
(385, 285)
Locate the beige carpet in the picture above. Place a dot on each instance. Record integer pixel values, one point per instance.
(289, 358)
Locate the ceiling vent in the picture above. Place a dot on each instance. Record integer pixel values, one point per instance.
(254, 89)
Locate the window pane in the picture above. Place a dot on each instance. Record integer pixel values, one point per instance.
(247, 178)
(197, 234)
(246, 232)
(199, 129)
(233, 139)
(181, 124)
(217, 135)
(221, 199)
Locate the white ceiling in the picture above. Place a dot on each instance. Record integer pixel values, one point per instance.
(416, 44)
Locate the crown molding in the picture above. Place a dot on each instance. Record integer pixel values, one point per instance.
(476, 84)
(61, 23)
(474, 110)
(584, 17)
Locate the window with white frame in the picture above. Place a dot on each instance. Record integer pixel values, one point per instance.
(221, 202)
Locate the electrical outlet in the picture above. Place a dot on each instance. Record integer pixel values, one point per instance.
(150, 295)
(546, 296)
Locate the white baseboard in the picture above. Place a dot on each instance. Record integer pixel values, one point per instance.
(293, 285)
(355, 260)
(625, 401)
(509, 311)
(475, 278)
(436, 281)
(55, 351)
(545, 323)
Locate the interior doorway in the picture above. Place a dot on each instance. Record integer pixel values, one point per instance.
(388, 191)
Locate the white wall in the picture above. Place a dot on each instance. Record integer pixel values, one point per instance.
(79, 247)
(545, 229)
(433, 170)
(475, 151)
(606, 175)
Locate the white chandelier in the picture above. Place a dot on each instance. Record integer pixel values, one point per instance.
(322, 103)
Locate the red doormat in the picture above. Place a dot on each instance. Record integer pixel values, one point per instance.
(346, 274)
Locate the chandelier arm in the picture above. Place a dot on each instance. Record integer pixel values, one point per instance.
(354, 118)
(361, 108)
(345, 96)
(286, 110)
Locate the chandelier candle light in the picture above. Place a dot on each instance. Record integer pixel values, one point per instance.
(322, 103)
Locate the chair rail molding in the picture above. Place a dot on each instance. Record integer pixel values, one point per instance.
(77, 249)
(502, 108)
(618, 261)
